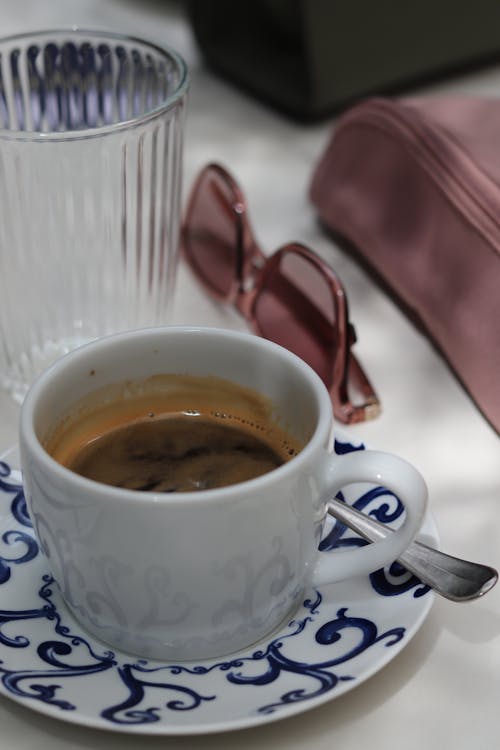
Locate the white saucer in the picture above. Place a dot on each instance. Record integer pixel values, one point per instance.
(342, 635)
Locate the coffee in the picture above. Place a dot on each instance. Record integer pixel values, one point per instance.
(172, 434)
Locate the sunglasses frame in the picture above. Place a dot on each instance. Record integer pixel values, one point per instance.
(252, 267)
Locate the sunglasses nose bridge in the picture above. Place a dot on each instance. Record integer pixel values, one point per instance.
(252, 260)
(244, 303)
(254, 266)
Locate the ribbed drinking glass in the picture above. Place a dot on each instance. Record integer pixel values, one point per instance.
(91, 131)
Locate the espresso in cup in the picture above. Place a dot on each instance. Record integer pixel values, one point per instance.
(172, 433)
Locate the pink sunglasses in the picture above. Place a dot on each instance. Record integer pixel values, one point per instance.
(292, 297)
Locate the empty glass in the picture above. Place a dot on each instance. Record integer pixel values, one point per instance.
(90, 171)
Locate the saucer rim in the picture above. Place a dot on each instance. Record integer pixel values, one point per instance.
(163, 728)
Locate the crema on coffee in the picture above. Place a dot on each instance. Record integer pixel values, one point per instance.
(172, 433)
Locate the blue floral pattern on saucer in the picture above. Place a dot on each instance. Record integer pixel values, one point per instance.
(340, 636)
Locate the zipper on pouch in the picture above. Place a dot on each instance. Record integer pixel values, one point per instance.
(475, 194)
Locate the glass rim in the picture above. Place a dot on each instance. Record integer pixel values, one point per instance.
(98, 132)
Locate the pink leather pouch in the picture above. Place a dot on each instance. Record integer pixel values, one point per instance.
(414, 186)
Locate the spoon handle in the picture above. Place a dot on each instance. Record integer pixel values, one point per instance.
(453, 578)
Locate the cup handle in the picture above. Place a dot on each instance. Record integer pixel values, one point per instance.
(381, 469)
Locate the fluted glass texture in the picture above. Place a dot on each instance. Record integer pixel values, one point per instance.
(90, 172)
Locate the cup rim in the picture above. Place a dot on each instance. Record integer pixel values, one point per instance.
(322, 430)
(101, 130)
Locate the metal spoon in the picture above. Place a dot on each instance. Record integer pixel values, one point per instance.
(453, 578)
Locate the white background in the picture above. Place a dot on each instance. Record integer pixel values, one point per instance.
(443, 690)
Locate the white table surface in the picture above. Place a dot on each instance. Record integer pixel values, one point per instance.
(443, 690)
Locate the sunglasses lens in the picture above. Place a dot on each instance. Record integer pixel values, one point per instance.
(295, 308)
(211, 233)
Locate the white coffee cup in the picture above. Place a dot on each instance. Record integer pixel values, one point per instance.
(194, 575)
